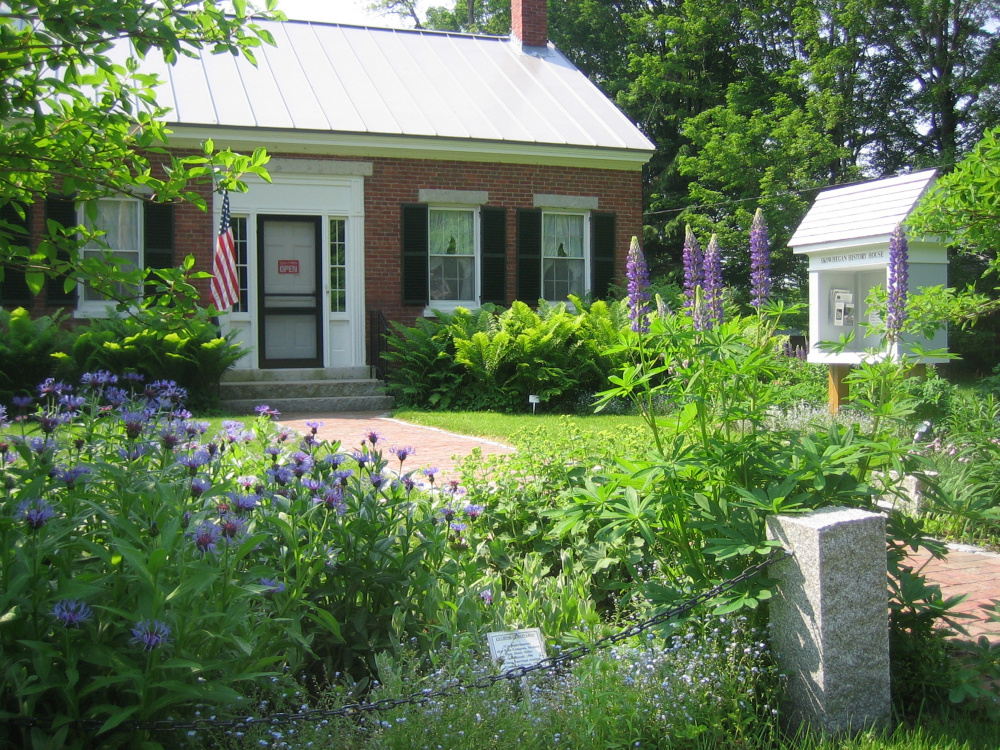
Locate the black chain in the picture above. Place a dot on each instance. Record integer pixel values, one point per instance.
(427, 695)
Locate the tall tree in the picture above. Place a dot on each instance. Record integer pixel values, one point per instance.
(74, 120)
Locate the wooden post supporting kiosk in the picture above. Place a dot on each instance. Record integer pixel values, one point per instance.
(838, 390)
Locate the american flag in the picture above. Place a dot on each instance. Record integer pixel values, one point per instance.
(225, 282)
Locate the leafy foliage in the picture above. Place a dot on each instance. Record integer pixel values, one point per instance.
(26, 350)
(494, 359)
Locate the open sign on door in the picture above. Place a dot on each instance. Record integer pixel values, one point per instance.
(288, 266)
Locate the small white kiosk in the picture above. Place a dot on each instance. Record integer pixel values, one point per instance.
(845, 235)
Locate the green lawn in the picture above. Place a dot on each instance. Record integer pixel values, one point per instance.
(503, 427)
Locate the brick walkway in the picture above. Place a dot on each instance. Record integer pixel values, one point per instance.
(976, 574)
(434, 447)
(971, 572)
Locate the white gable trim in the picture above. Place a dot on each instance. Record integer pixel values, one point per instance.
(409, 147)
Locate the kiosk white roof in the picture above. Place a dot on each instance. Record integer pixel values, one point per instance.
(856, 213)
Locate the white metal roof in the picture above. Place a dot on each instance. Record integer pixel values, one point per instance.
(871, 209)
(397, 82)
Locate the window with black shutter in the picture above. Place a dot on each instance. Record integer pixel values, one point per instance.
(529, 255)
(493, 244)
(602, 263)
(415, 274)
(14, 287)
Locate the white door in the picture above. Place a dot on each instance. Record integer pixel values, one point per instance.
(290, 291)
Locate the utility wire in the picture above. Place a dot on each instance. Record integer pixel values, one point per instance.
(800, 191)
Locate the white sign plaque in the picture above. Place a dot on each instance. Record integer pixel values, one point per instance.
(517, 648)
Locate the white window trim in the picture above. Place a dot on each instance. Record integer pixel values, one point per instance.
(587, 251)
(101, 308)
(449, 306)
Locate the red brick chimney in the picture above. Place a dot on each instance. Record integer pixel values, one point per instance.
(529, 23)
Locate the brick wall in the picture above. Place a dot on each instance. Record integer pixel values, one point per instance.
(398, 181)
(529, 22)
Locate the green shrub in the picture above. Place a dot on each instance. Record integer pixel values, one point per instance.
(26, 350)
(494, 359)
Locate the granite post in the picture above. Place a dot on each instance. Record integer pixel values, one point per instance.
(830, 619)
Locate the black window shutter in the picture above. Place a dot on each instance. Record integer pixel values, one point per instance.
(63, 211)
(158, 228)
(493, 245)
(14, 288)
(529, 255)
(415, 273)
(602, 260)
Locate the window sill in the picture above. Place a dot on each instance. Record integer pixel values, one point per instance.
(446, 306)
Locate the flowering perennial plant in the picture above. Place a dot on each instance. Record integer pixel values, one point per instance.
(164, 567)
(898, 283)
(760, 260)
(638, 288)
(713, 284)
(693, 272)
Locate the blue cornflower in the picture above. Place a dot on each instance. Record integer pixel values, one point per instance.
(280, 474)
(48, 421)
(372, 437)
(474, 511)
(194, 460)
(342, 475)
(98, 380)
(232, 528)
(134, 421)
(195, 428)
(134, 452)
(199, 486)
(22, 402)
(206, 537)
(72, 403)
(458, 526)
(115, 396)
(263, 410)
(36, 513)
(408, 482)
(363, 458)
(150, 634)
(71, 612)
(332, 498)
(72, 474)
(311, 484)
(52, 387)
(314, 426)
(302, 463)
(273, 451)
(430, 472)
(274, 586)
(244, 503)
(402, 452)
(378, 481)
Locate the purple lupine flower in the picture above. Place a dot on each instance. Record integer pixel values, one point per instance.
(713, 283)
(637, 273)
(274, 586)
(206, 537)
(150, 634)
(760, 260)
(266, 411)
(71, 612)
(693, 263)
(899, 282)
(36, 513)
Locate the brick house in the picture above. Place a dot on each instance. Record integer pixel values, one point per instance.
(412, 171)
